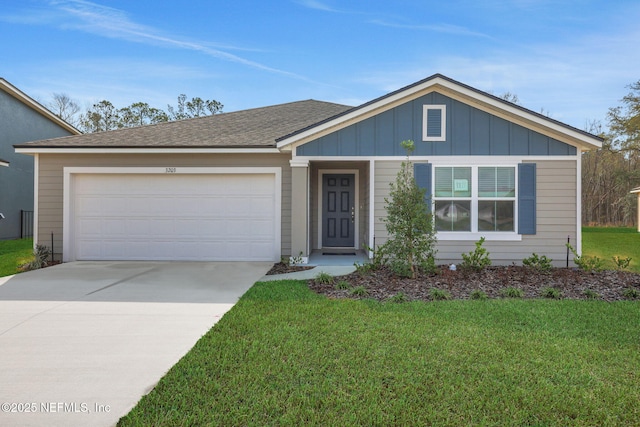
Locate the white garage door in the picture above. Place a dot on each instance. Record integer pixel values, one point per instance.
(208, 217)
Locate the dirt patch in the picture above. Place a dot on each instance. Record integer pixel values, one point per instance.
(382, 284)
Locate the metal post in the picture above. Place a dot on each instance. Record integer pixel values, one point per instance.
(568, 243)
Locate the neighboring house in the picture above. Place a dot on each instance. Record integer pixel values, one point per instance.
(636, 191)
(21, 119)
(294, 178)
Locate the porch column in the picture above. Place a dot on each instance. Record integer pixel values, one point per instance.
(300, 209)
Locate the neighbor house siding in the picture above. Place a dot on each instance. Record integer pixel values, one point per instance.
(50, 188)
(556, 216)
(469, 132)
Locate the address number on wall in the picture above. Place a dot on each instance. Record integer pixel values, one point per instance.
(169, 170)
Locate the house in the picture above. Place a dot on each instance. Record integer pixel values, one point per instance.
(298, 178)
(636, 191)
(21, 119)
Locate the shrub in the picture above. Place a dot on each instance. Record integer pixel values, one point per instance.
(551, 293)
(364, 269)
(586, 263)
(411, 244)
(342, 285)
(540, 263)
(476, 259)
(439, 294)
(478, 294)
(41, 255)
(591, 294)
(359, 291)
(324, 278)
(512, 292)
(398, 298)
(621, 263)
(631, 293)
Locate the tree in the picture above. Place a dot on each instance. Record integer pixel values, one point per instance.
(411, 243)
(140, 114)
(197, 107)
(64, 107)
(101, 117)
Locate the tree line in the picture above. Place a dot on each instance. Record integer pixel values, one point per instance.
(611, 172)
(103, 115)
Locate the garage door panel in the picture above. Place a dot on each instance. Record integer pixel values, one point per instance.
(175, 217)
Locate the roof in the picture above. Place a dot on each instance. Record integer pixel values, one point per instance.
(488, 102)
(34, 105)
(253, 128)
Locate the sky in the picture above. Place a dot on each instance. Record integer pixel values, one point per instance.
(570, 59)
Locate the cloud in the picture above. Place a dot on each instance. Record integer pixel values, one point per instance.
(314, 4)
(93, 18)
(439, 28)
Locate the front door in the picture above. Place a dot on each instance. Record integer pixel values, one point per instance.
(338, 210)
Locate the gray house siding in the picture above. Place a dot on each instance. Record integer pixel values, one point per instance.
(556, 208)
(469, 131)
(51, 186)
(19, 124)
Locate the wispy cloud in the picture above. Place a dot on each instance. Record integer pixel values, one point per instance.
(438, 28)
(89, 17)
(317, 5)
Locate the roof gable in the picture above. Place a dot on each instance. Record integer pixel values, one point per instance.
(16, 93)
(454, 90)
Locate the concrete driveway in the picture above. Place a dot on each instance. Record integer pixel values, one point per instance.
(81, 343)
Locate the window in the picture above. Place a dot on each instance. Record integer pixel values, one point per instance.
(475, 198)
(434, 122)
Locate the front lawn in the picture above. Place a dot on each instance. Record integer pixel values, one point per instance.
(14, 253)
(607, 242)
(286, 356)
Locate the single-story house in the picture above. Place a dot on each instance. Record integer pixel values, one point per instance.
(302, 177)
(636, 191)
(22, 119)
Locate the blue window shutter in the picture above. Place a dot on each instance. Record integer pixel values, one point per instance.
(434, 122)
(527, 198)
(422, 174)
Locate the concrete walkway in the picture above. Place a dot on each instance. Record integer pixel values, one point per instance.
(81, 343)
(334, 270)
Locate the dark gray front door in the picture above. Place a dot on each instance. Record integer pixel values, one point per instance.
(338, 210)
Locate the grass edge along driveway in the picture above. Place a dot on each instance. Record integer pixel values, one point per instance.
(286, 356)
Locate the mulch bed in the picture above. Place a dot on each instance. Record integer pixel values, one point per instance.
(282, 268)
(382, 284)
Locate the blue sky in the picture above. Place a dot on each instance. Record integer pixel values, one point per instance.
(572, 59)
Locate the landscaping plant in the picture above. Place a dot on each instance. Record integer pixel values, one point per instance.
(411, 244)
(476, 259)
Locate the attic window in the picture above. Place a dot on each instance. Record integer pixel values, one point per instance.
(434, 122)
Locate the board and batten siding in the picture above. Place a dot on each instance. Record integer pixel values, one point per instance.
(556, 216)
(51, 176)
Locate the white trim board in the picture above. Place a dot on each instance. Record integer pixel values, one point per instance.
(68, 191)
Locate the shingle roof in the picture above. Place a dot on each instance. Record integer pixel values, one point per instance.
(257, 127)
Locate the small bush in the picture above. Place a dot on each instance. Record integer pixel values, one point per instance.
(324, 278)
(359, 291)
(631, 293)
(41, 256)
(586, 263)
(621, 263)
(439, 294)
(512, 292)
(591, 294)
(476, 259)
(364, 269)
(398, 298)
(551, 293)
(478, 294)
(540, 263)
(342, 285)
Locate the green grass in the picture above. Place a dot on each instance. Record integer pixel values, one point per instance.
(14, 253)
(607, 242)
(286, 356)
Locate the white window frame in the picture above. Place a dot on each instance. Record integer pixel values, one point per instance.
(475, 234)
(443, 122)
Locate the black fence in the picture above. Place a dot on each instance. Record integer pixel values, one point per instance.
(26, 224)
